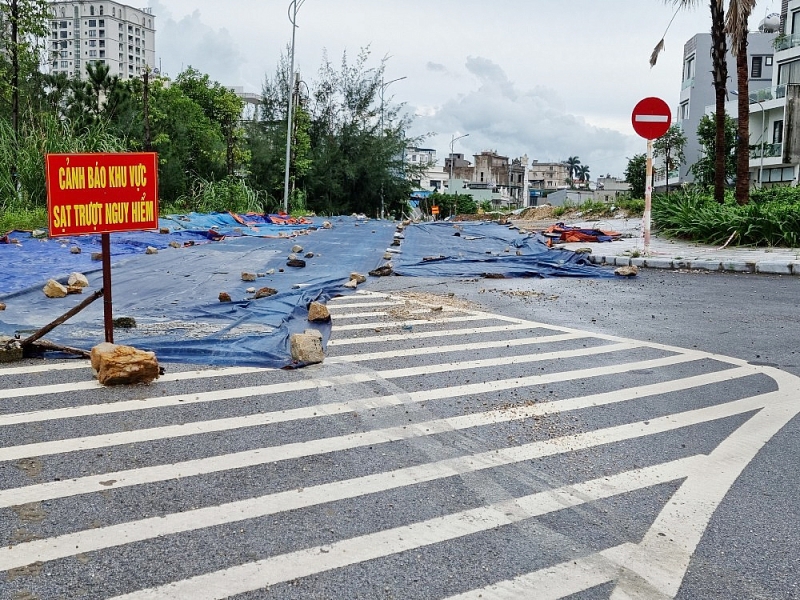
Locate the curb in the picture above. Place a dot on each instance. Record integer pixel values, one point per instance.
(761, 267)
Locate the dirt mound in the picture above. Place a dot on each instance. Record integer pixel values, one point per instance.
(537, 213)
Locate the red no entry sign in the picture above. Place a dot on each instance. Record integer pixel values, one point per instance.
(651, 118)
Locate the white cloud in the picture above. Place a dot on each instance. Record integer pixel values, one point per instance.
(500, 116)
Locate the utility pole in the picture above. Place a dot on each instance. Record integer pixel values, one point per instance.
(383, 87)
(294, 6)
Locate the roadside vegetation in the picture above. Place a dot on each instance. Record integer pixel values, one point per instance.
(771, 218)
(347, 145)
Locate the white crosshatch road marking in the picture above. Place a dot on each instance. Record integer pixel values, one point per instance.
(652, 568)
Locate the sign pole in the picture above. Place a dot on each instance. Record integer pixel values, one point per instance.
(648, 197)
(107, 304)
(650, 119)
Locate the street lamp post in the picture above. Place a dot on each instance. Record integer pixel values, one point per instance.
(294, 6)
(383, 87)
(453, 141)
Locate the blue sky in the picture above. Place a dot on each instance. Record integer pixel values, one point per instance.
(544, 78)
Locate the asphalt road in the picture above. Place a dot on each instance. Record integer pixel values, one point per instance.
(464, 439)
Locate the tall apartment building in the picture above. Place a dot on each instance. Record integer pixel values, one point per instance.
(92, 31)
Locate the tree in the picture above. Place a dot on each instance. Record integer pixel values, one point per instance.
(25, 23)
(582, 173)
(220, 105)
(670, 147)
(636, 174)
(572, 168)
(736, 26)
(719, 50)
(705, 170)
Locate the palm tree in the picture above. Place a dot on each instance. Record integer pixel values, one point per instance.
(719, 50)
(582, 173)
(573, 162)
(736, 26)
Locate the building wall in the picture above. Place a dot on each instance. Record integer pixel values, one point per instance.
(697, 86)
(105, 32)
(547, 176)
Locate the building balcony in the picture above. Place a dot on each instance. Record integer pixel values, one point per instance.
(687, 83)
(769, 151)
(785, 42)
(762, 95)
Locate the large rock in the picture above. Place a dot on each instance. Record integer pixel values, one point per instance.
(265, 292)
(318, 312)
(358, 277)
(351, 285)
(77, 280)
(631, 271)
(297, 262)
(248, 276)
(123, 365)
(297, 249)
(307, 348)
(2, 306)
(53, 289)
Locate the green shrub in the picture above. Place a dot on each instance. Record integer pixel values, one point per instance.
(771, 219)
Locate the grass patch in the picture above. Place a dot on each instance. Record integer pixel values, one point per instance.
(22, 218)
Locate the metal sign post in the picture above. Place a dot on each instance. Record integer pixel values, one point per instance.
(651, 119)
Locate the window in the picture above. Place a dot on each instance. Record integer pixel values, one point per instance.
(413, 158)
(101, 23)
(683, 111)
(91, 10)
(113, 11)
(102, 53)
(92, 52)
(102, 43)
(102, 33)
(92, 22)
(777, 132)
(789, 72)
(767, 61)
(63, 34)
(755, 68)
(63, 24)
(688, 68)
(796, 22)
(92, 33)
(101, 9)
(64, 64)
(92, 43)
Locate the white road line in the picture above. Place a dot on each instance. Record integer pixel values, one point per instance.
(335, 308)
(663, 556)
(505, 360)
(393, 325)
(218, 425)
(302, 563)
(418, 311)
(551, 583)
(91, 540)
(62, 388)
(420, 335)
(43, 368)
(267, 389)
(513, 343)
(132, 477)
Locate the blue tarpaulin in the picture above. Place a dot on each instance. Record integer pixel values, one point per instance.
(476, 248)
(174, 295)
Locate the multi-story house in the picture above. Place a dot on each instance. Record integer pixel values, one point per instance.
(697, 93)
(102, 32)
(546, 177)
(775, 109)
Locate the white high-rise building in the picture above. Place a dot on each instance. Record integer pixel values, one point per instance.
(92, 31)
